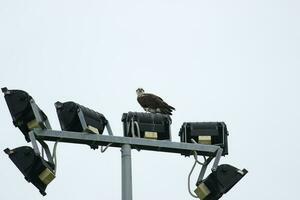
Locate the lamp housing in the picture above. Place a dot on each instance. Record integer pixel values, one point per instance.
(77, 118)
(210, 133)
(219, 182)
(35, 169)
(25, 113)
(147, 125)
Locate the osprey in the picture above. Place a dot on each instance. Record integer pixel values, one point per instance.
(152, 103)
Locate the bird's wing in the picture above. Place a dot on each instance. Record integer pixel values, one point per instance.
(148, 101)
(153, 101)
(163, 104)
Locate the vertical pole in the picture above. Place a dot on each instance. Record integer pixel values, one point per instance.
(126, 172)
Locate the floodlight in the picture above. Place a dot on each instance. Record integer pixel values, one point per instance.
(25, 113)
(211, 133)
(35, 169)
(77, 118)
(147, 125)
(219, 182)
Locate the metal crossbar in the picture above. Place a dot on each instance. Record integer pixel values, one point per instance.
(135, 143)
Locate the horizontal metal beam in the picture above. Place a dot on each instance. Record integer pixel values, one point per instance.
(117, 141)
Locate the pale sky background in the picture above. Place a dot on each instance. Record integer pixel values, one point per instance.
(219, 60)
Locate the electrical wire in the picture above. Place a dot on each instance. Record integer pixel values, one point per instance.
(189, 180)
(109, 133)
(138, 128)
(54, 156)
(189, 177)
(106, 147)
(133, 125)
(196, 158)
(132, 128)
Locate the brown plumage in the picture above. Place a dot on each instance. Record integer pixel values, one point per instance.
(152, 103)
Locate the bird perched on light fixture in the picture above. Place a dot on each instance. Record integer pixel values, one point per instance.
(152, 103)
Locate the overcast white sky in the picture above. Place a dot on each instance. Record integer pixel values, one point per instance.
(219, 60)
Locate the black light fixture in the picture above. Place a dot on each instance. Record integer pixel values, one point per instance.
(77, 118)
(210, 133)
(25, 113)
(147, 125)
(219, 182)
(36, 169)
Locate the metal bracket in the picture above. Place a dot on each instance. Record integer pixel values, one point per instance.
(109, 128)
(206, 163)
(85, 126)
(81, 119)
(203, 169)
(34, 143)
(44, 123)
(217, 159)
(36, 148)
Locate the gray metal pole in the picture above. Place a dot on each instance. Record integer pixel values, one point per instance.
(126, 172)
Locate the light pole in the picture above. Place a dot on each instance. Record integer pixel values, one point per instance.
(143, 131)
(126, 172)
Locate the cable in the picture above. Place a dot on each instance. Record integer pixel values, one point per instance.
(189, 180)
(138, 128)
(54, 156)
(189, 177)
(109, 133)
(106, 147)
(132, 128)
(136, 124)
(196, 158)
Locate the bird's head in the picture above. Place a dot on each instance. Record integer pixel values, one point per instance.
(140, 91)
